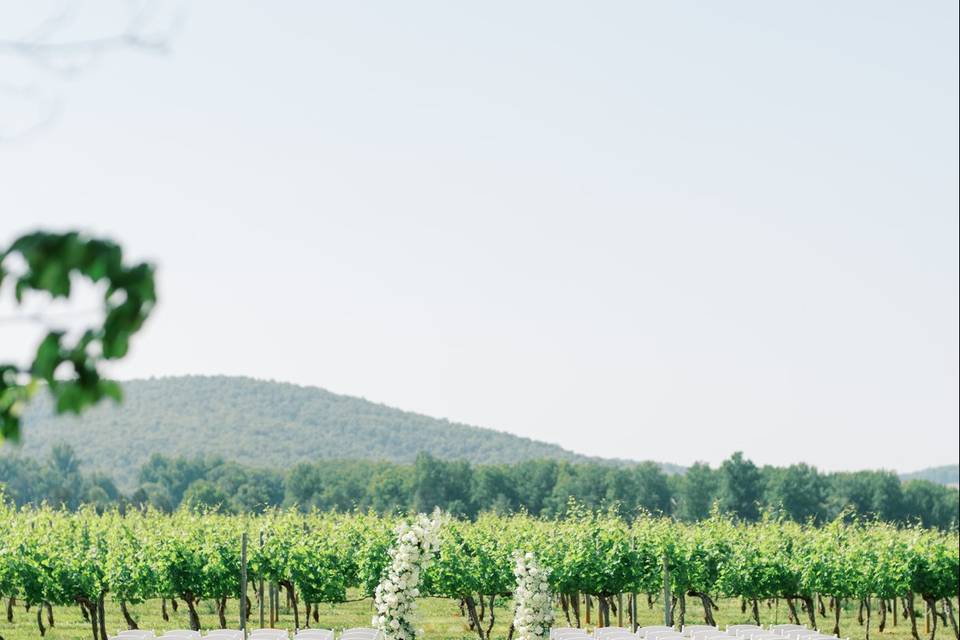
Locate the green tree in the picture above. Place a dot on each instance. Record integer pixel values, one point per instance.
(438, 483)
(652, 491)
(154, 495)
(741, 487)
(930, 504)
(799, 490)
(494, 489)
(590, 485)
(868, 493)
(697, 492)
(204, 495)
(64, 484)
(390, 489)
(534, 481)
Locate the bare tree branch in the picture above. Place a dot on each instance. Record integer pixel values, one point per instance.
(50, 47)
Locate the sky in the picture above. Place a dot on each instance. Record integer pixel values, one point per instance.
(663, 231)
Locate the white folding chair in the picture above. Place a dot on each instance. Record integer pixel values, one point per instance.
(224, 634)
(690, 629)
(558, 632)
(360, 633)
(603, 632)
(740, 629)
(665, 635)
(643, 631)
(181, 633)
(136, 633)
(314, 634)
(270, 633)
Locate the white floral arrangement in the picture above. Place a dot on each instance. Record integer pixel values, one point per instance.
(395, 598)
(533, 602)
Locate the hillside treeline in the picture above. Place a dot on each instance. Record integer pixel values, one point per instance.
(260, 423)
(737, 487)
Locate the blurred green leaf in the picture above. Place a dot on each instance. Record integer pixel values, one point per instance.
(52, 260)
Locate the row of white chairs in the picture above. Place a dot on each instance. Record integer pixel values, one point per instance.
(619, 633)
(355, 633)
(622, 633)
(777, 632)
(694, 632)
(173, 634)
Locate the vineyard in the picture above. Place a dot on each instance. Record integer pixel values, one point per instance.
(602, 568)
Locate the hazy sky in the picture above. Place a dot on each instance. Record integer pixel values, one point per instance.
(664, 230)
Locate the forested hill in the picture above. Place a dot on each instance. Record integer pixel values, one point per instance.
(260, 423)
(947, 474)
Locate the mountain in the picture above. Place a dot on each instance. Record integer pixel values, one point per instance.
(261, 423)
(948, 474)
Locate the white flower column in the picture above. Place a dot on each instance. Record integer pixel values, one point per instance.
(395, 598)
(533, 603)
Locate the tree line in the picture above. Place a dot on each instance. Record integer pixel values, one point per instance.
(738, 487)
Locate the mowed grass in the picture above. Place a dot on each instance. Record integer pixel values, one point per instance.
(440, 619)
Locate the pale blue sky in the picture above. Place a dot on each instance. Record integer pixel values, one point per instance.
(665, 230)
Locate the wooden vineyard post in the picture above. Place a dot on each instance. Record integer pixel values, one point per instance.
(586, 599)
(633, 594)
(243, 584)
(260, 584)
(276, 603)
(619, 609)
(667, 614)
(813, 603)
(272, 599)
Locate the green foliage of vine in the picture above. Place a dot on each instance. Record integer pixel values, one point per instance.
(59, 557)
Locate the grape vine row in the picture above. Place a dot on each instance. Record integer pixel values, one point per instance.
(55, 557)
